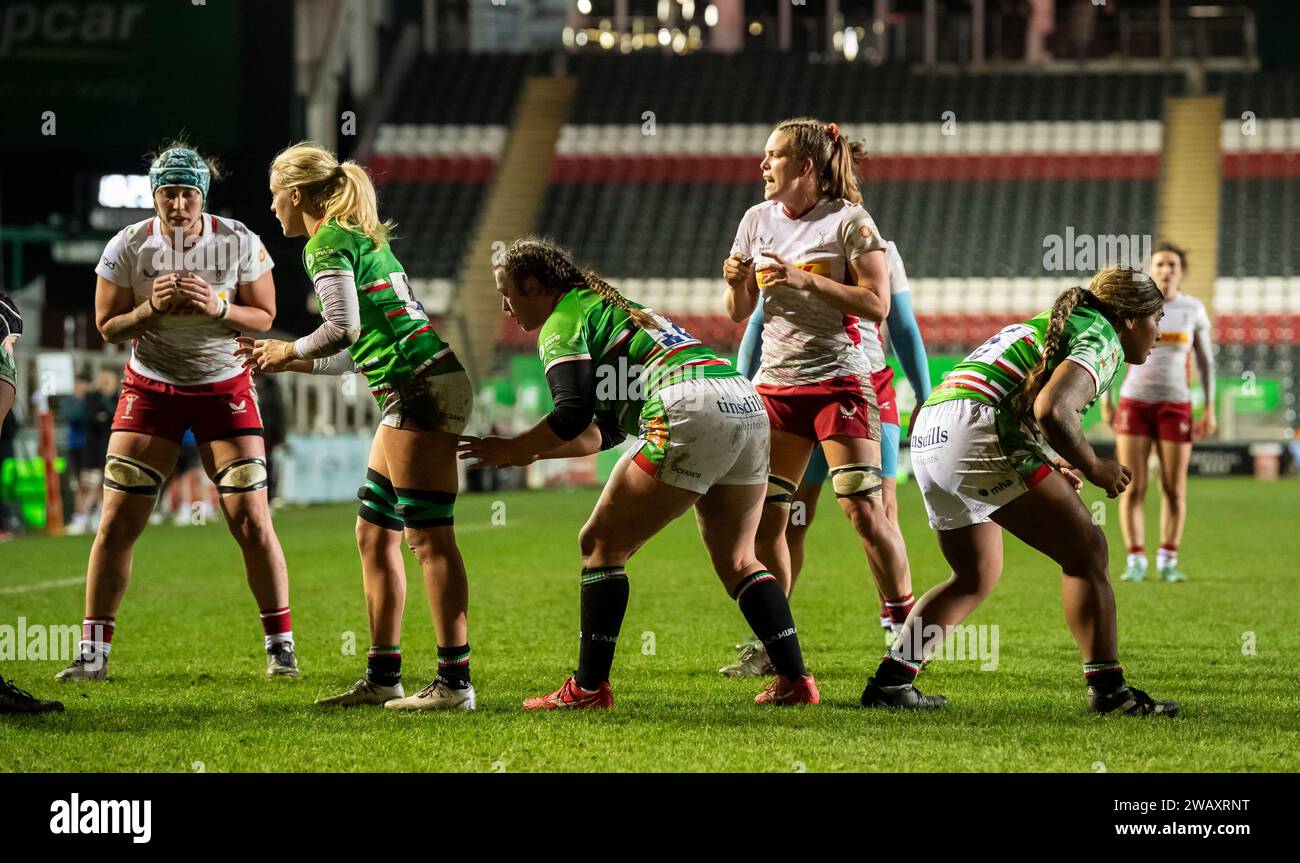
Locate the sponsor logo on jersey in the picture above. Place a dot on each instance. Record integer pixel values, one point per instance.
(238, 407)
(931, 438)
(852, 409)
(675, 469)
(747, 406)
(112, 265)
(1002, 486)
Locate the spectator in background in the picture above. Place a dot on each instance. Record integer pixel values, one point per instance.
(1291, 458)
(100, 404)
(72, 411)
(187, 491)
(1041, 23)
(270, 401)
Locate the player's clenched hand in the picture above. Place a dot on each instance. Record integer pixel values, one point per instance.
(1206, 426)
(244, 350)
(166, 296)
(1110, 476)
(197, 293)
(492, 451)
(270, 355)
(738, 269)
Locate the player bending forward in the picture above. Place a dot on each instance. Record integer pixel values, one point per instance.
(703, 443)
(179, 287)
(372, 323)
(979, 461)
(13, 699)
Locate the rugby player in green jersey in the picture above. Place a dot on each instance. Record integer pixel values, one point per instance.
(373, 324)
(13, 699)
(615, 368)
(979, 459)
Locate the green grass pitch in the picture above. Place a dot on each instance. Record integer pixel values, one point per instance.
(188, 691)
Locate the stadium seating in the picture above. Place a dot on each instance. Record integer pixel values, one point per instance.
(434, 155)
(967, 195)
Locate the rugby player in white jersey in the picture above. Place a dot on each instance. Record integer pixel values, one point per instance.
(905, 337)
(180, 286)
(1155, 410)
(818, 260)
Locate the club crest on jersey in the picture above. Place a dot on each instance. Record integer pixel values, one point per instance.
(130, 403)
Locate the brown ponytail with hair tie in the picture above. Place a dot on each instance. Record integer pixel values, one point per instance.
(834, 155)
(555, 271)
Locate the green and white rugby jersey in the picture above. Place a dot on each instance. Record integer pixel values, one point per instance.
(995, 371)
(397, 342)
(8, 368)
(632, 364)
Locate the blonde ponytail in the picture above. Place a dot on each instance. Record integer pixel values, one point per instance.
(341, 192)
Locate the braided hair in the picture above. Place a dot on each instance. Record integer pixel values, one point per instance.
(555, 271)
(1119, 293)
(834, 157)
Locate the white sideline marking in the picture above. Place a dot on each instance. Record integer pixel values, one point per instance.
(44, 585)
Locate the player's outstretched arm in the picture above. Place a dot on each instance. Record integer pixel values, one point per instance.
(1204, 350)
(750, 355)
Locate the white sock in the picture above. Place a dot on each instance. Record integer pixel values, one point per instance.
(1166, 558)
(92, 648)
(1138, 560)
(272, 640)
